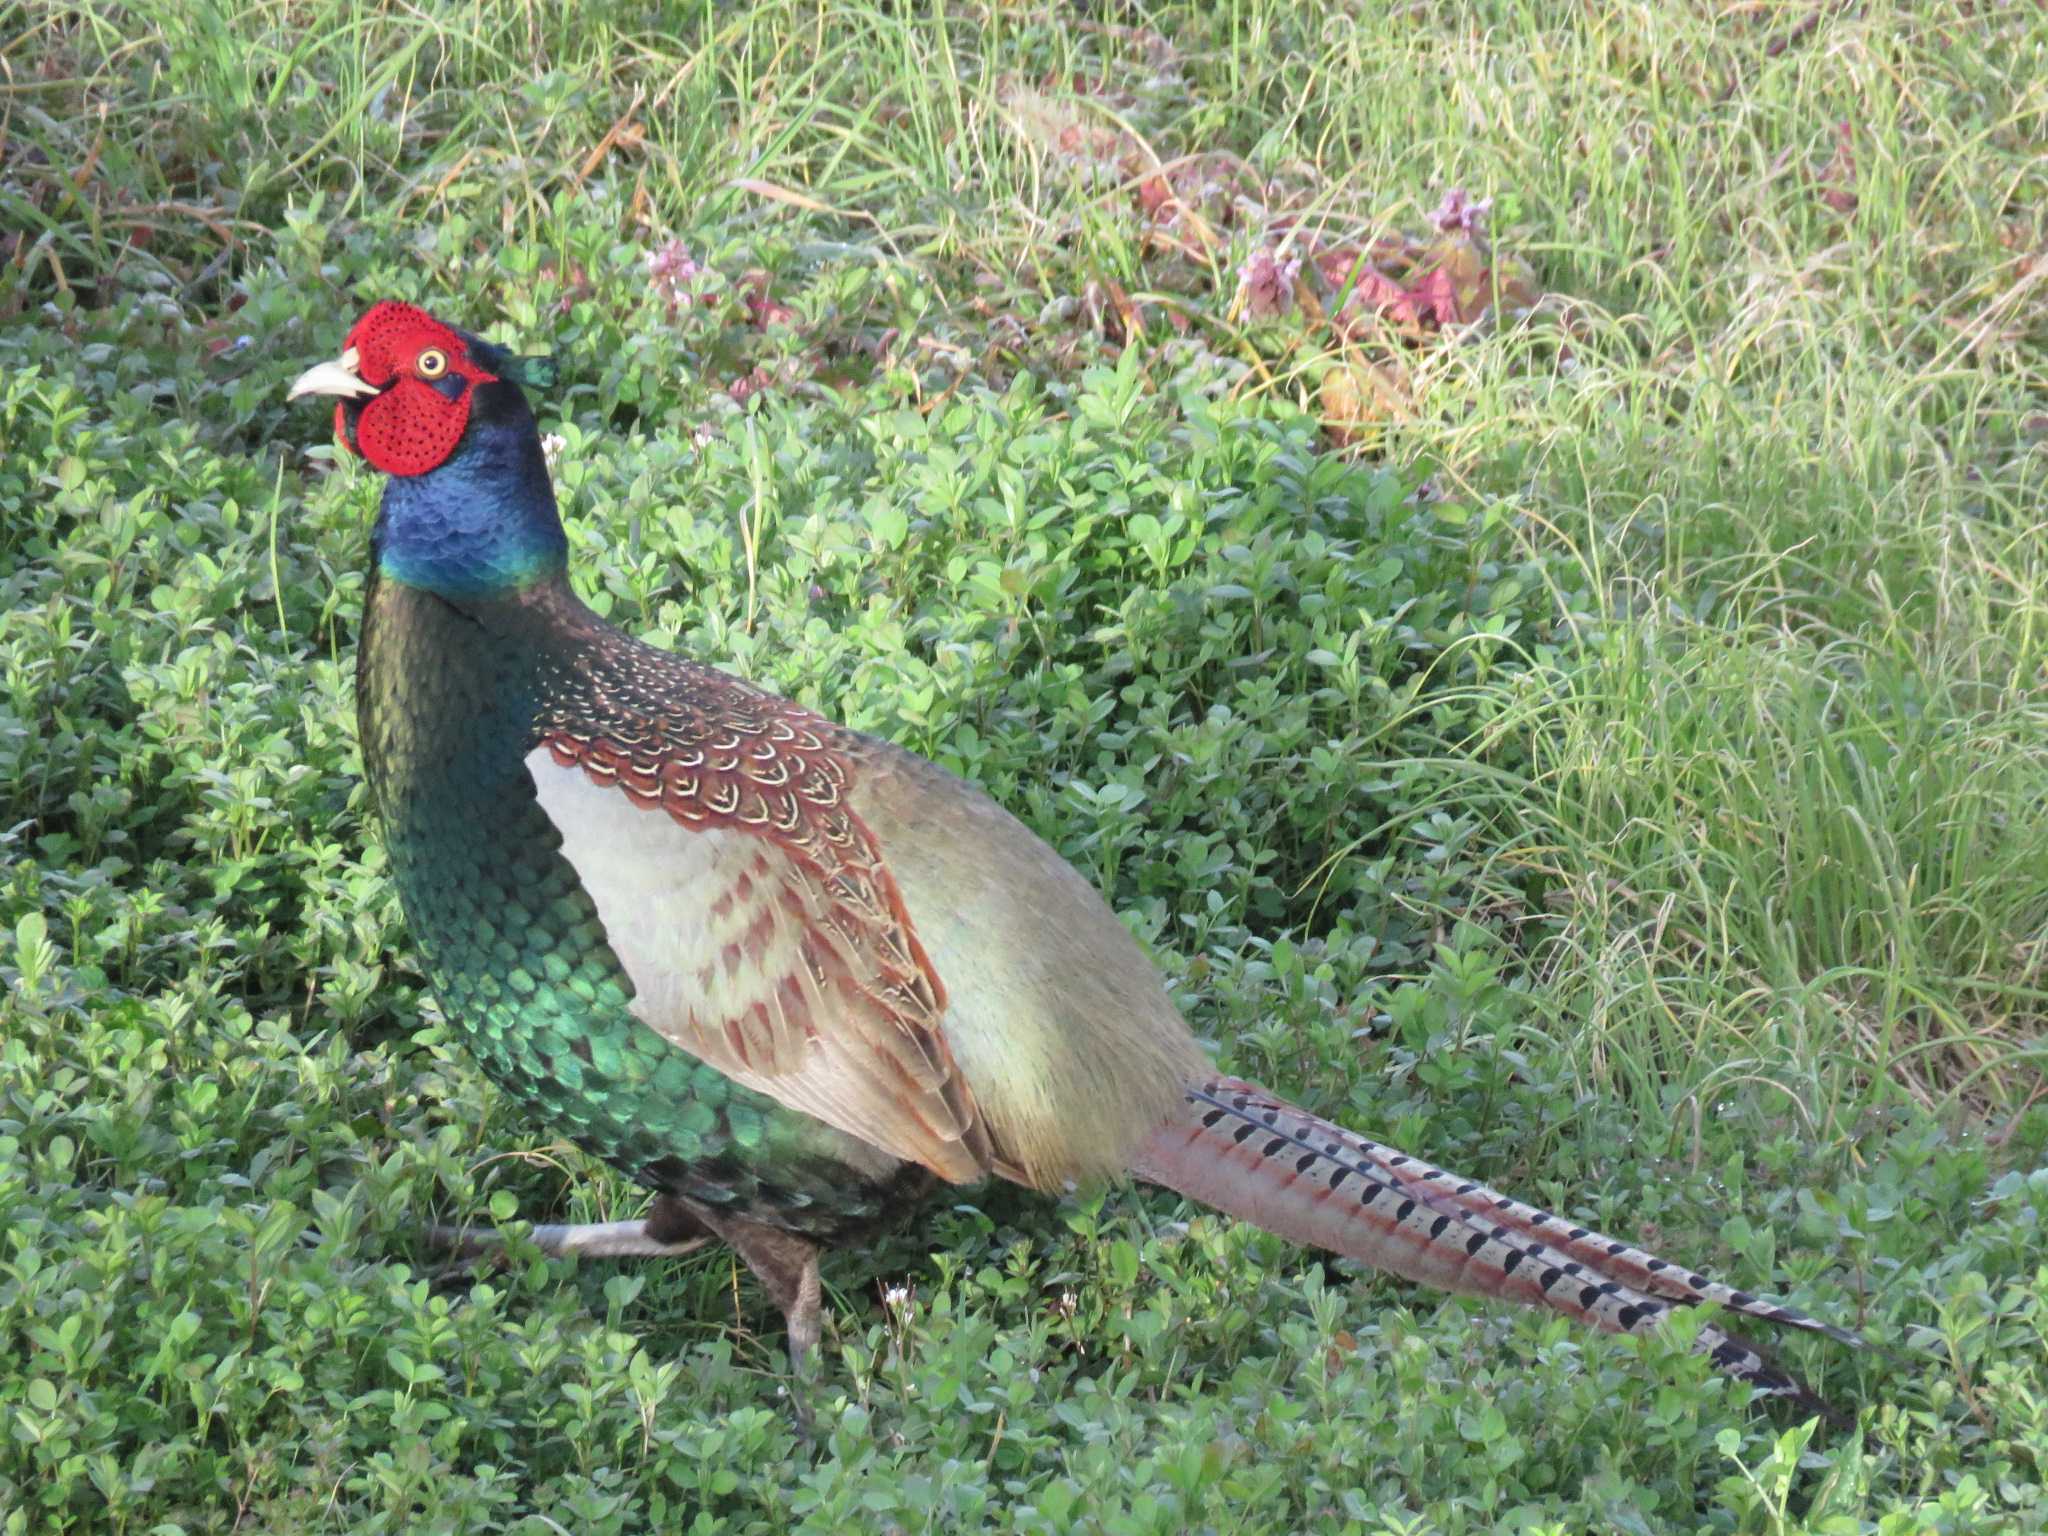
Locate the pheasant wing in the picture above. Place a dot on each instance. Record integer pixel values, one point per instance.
(753, 912)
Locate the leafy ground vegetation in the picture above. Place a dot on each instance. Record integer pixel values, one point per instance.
(1508, 537)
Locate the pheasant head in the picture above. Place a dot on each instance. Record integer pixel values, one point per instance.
(468, 510)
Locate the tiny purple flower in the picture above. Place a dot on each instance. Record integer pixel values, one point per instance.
(674, 274)
(1459, 215)
(1267, 283)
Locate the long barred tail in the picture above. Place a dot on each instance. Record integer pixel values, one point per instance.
(1241, 1150)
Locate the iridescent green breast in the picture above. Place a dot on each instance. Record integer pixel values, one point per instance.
(447, 701)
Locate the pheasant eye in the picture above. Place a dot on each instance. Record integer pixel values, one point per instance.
(431, 364)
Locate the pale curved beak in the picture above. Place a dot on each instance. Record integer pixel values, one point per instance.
(335, 378)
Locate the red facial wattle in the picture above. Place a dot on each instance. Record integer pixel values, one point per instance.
(417, 419)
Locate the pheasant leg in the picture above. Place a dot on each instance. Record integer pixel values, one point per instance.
(669, 1231)
(787, 1266)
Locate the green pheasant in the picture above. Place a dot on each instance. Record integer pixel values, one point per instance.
(791, 978)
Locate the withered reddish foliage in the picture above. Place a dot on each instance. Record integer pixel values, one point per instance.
(1391, 285)
(1350, 309)
(1358, 288)
(1348, 260)
(1370, 304)
(1415, 286)
(1838, 177)
(750, 383)
(1199, 194)
(1408, 289)
(1342, 293)
(762, 308)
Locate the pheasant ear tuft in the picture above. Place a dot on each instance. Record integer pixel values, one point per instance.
(541, 372)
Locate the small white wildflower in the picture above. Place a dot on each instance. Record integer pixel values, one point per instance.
(551, 447)
(896, 1297)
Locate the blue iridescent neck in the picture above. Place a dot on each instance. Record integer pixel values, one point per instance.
(484, 522)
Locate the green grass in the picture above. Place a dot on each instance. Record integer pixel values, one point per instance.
(1616, 768)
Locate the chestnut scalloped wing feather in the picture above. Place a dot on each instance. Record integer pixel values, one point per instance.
(748, 903)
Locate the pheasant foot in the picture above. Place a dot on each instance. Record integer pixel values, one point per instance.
(787, 1267)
